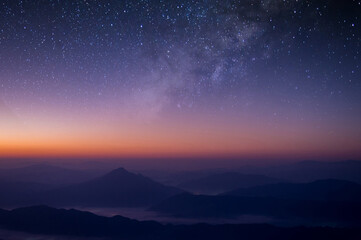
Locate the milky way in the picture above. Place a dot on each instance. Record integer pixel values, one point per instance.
(227, 76)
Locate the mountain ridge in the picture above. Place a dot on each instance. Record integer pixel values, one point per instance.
(222, 182)
(118, 188)
(325, 189)
(52, 221)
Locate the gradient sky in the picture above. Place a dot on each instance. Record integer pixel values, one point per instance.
(263, 79)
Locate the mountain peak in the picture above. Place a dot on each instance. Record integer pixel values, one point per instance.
(119, 172)
(117, 188)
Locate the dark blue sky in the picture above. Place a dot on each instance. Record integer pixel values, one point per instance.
(251, 72)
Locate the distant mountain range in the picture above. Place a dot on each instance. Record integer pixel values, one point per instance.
(324, 190)
(51, 221)
(305, 171)
(119, 188)
(13, 192)
(308, 171)
(222, 182)
(46, 174)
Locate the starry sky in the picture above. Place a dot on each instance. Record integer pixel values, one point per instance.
(247, 78)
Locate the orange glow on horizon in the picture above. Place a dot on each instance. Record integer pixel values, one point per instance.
(181, 140)
(80, 135)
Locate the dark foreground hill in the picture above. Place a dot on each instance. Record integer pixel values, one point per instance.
(119, 188)
(225, 206)
(222, 182)
(325, 190)
(51, 221)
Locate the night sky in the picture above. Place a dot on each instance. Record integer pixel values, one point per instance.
(264, 79)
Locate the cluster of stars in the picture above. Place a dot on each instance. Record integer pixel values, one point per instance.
(183, 55)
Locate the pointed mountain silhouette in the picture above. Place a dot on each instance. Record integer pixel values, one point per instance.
(119, 188)
(327, 190)
(218, 183)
